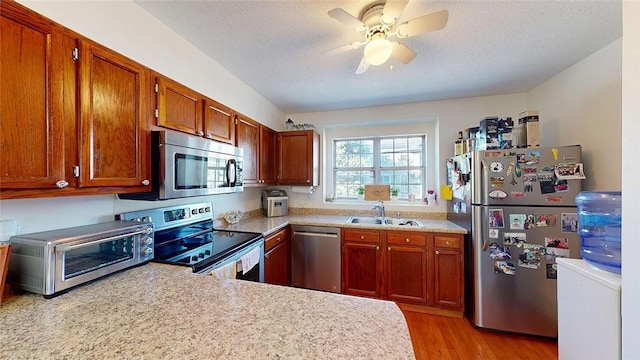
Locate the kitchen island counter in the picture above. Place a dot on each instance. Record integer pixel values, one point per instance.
(159, 311)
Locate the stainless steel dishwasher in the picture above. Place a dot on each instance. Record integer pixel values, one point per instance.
(316, 258)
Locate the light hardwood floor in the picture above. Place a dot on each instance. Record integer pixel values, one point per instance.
(443, 337)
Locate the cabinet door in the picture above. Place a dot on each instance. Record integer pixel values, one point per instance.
(407, 274)
(447, 271)
(298, 154)
(361, 265)
(268, 156)
(219, 122)
(178, 107)
(113, 146)
(277, 258)
(31, 83)
(248, 139)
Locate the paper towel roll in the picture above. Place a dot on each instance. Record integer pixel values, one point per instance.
(303, 189)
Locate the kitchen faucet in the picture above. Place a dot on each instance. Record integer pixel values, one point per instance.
(380, 208)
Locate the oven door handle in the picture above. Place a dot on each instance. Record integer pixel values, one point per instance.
(65, 247)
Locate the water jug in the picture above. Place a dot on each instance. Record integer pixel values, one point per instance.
(599, 226)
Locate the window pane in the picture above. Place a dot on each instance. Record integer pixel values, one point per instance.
(400, 159)
(415, 159)
(386, 145)
(400, 144)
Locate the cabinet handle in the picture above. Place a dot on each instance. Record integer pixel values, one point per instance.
(62, 184)
(437, 252)
(145, 182)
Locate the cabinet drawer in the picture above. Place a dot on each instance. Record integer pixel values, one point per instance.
(274, 239)
(360, 235)
(406, 239)
(446, 242)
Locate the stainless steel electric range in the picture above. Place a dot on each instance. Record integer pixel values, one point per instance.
(184, 235)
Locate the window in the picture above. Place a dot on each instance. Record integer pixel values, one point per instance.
(395, 160)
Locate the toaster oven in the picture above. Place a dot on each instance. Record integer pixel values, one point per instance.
(52, 262)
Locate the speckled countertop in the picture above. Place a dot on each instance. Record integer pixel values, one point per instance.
(158, 311)
(265, 225)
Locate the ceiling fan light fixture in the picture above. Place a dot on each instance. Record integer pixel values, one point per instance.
(378, 51)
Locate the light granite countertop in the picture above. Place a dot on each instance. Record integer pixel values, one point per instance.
(266, 225)
(158, 311)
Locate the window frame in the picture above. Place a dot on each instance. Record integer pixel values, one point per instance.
(377, 169)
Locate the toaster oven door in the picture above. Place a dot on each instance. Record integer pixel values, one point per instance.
(89, 259)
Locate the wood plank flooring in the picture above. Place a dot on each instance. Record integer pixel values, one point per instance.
(444, 337)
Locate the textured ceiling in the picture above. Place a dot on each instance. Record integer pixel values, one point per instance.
(487, 48)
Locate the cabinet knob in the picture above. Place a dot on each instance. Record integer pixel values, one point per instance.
(200, 132)
(266, 256)
(308, 180)
(389, 248)
(406, 240)
(145, 182)
(62, 184)
(437, 252)
(361, 237)
(447, 242)
(278, 239)
(377, 248)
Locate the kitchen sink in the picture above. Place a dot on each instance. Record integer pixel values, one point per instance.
(369, 220)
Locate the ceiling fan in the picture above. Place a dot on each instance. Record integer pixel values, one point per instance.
(378, 24)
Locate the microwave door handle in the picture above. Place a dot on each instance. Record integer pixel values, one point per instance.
(65, 247)
(231, 170)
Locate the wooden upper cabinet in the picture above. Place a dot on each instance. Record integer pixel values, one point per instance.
(248, 139)
(219, 122)
(299, 158)
(31, 105)
(178, 107)
(113, 150)
(259, 143)
(268, 156)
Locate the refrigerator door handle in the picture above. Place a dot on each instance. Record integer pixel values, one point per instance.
(480, 168)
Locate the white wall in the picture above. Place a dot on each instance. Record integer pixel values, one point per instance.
(630, 189)
(450, 116)
(582, 105)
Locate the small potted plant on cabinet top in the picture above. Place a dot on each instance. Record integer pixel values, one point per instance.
(394, 193)
(360, 190)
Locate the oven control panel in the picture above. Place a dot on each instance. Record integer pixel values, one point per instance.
(172, 216)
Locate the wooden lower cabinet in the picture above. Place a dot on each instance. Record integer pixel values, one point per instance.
(448, 289)
(277, 258)
(407, 267)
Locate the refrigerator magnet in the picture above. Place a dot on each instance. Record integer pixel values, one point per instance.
(569, 222)
(531, 256)
(495, 218)
(516, 221)
(569, 171)
(498, 194)
(494, 234)
(543, 220)
(552, 271)
(504, 267)
(500, 253)
(517, 239)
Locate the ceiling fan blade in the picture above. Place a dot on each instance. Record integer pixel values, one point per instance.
(392, 11)
(423, 24)
(363, 66)
(402, 53)
(343, 48)
(347, 19)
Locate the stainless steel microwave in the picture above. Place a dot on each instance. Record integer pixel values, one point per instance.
(183, 165)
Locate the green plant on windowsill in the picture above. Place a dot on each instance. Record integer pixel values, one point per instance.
(360, 190)
(395, 191)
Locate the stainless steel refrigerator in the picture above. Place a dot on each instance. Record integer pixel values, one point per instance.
(519, 205)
